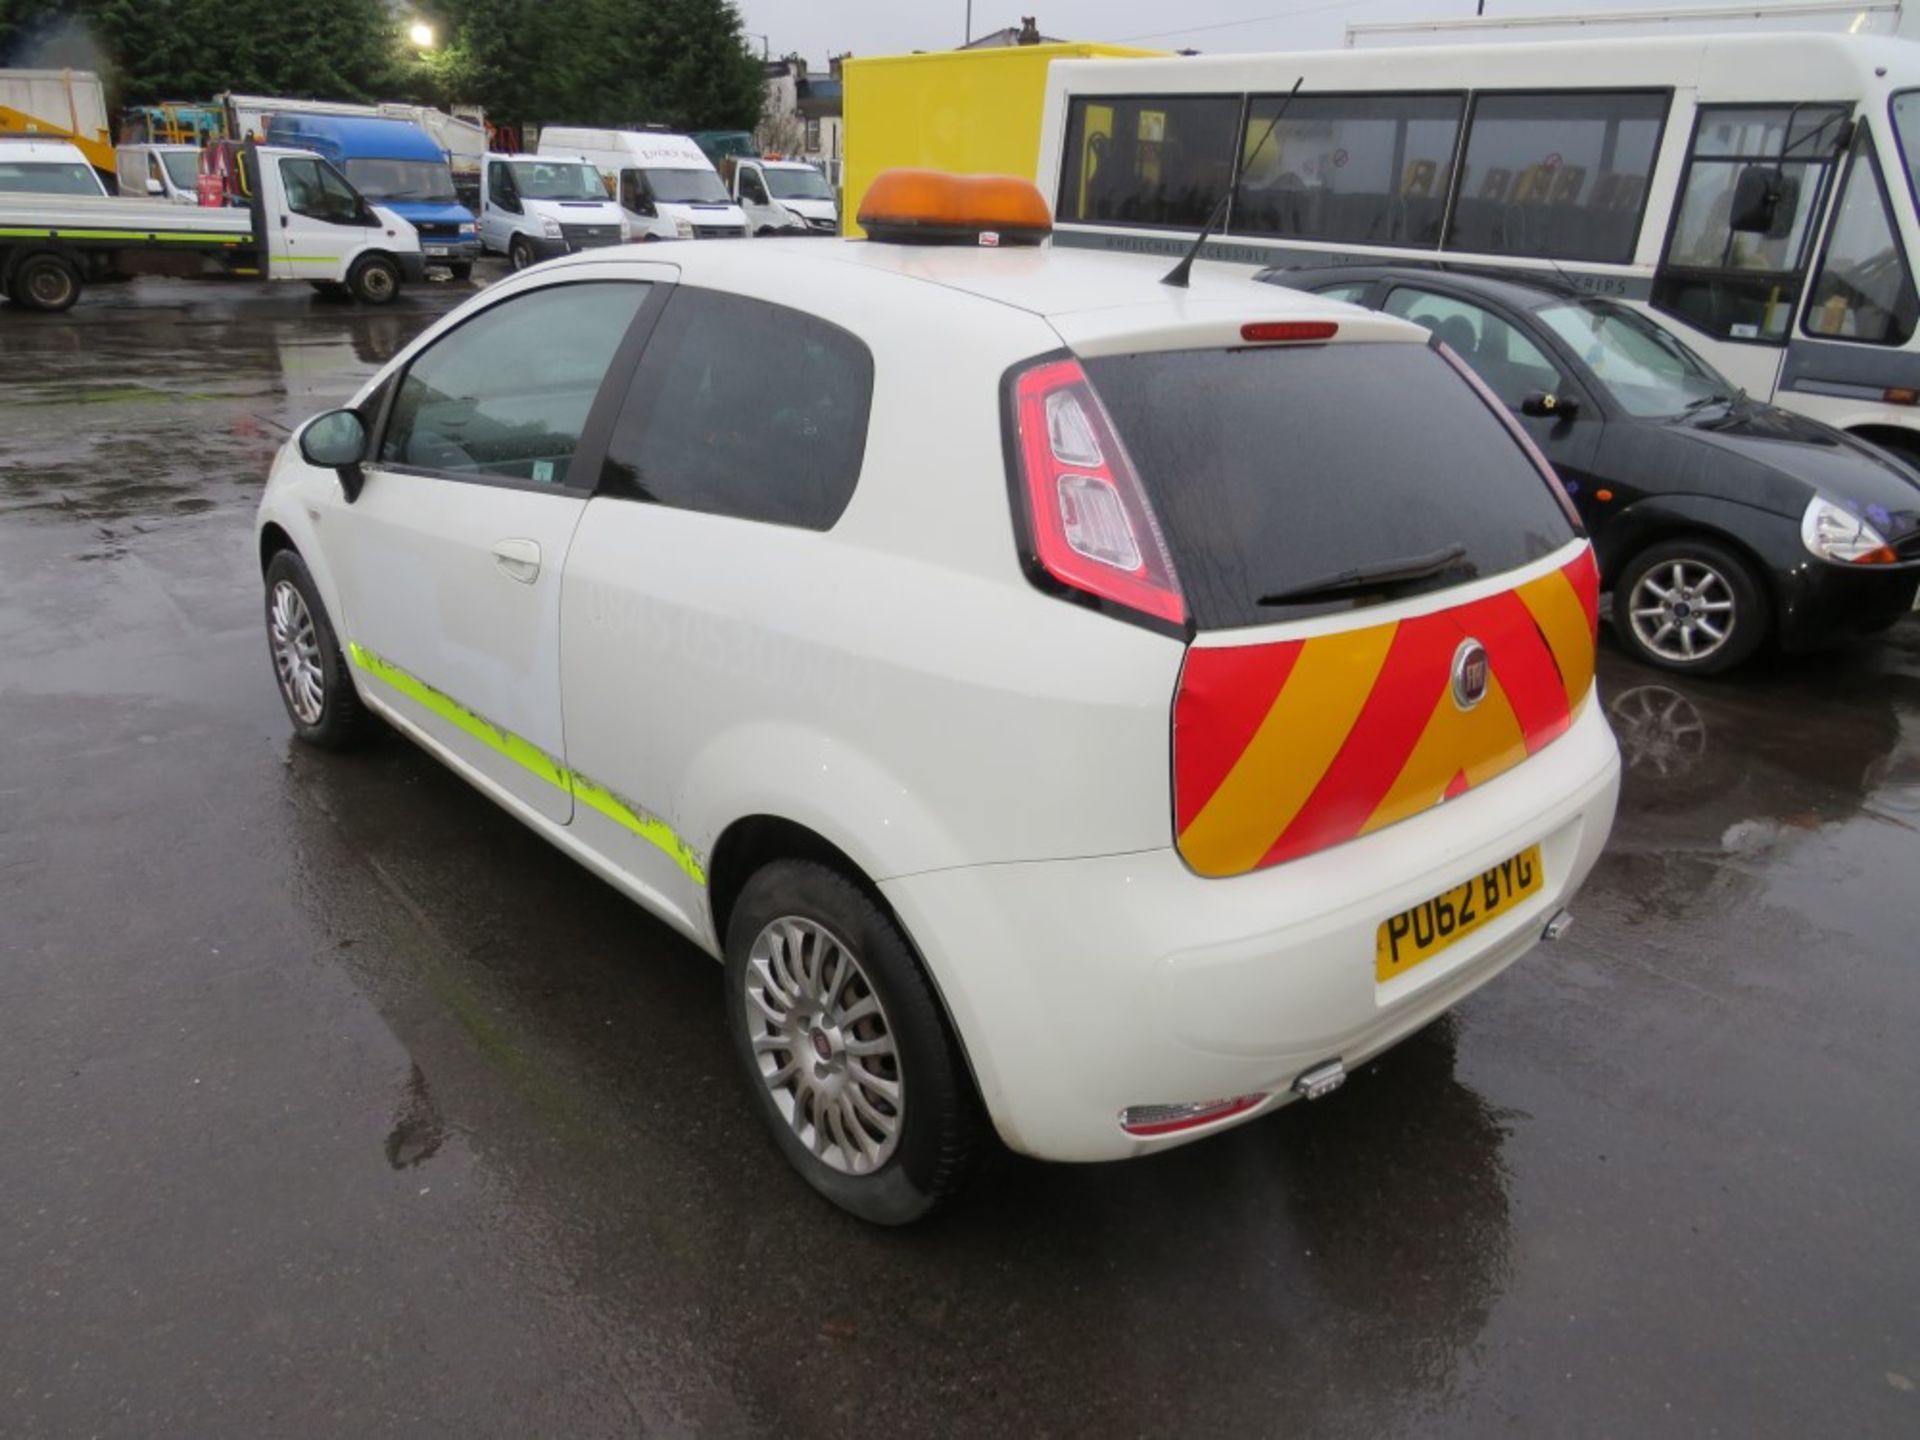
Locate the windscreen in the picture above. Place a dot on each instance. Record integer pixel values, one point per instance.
(686, 187)
(1645, 369)
(558, 180)
(183, 167)
(1276, 469)
(798, 185)
(46, 177)
(403, 180)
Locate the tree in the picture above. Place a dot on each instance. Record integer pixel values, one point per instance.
(149, 50)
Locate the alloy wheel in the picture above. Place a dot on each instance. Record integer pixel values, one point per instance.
(296, 654)
(823, 1045)
(1683, 610)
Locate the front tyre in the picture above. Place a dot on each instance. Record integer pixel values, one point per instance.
(1690, 606)
(307, 664)
(374, 280)
(845, 1046)
(520, 252)
(461, 270)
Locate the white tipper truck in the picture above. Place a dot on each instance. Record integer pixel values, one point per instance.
(300, 220)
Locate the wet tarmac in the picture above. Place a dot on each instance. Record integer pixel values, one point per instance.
(333, 1102)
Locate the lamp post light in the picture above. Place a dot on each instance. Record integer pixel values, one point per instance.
(421, 34)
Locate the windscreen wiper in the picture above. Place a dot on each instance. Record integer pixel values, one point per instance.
(1367, 577)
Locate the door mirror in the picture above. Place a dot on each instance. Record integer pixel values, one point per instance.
(1548, 405)
(154, 187)
(1757, 193)
(337, 441)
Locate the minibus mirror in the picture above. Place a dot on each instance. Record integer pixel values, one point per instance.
(154, 187)
(337, 441)
(1547, 405)
(1756, 200)
(1786, 207)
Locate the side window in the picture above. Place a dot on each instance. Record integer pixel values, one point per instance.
(1558, 175)
(1864, 290)
(1353, 293)
(1154, 160)
(319, 192)
(154, 175)
(1744, 285)
(745, 409)
(507, 394)
(633, 193)
(1365, 169)
(500, 186)
(1507, 360)
(752, 189)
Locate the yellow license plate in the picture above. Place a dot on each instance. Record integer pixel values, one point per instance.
(1423, 932)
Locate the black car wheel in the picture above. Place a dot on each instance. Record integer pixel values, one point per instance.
(1690, 605)
(851, 1062)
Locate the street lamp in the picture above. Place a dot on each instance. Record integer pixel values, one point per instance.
(421, 34)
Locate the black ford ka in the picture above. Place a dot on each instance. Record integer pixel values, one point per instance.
(1719, 523)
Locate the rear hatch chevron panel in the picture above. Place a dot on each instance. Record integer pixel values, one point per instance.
(1292, 746)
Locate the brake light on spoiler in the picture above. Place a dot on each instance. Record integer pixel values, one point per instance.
(1293, 746)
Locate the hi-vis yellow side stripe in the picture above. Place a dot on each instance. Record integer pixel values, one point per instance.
(70, 232)
(530, 757)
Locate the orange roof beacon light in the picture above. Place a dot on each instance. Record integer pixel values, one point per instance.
(931, 207)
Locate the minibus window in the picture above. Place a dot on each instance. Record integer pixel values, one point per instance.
(1561, 175)
(1865, 288)
(1906, 124)
(1365, 169)
(1744, 284)
(1148, 160)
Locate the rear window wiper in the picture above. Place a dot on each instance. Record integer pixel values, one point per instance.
(1367, 577)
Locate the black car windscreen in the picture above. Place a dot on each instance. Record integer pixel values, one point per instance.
(1276, 468)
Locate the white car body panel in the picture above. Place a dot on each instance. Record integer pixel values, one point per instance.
(995, 760)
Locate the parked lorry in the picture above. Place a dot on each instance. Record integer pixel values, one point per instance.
(393, 163)
(782, 197)
(160, 172)
(534, 207)
(65, 105)
(302, 220)
(31, 166)
(664, 182)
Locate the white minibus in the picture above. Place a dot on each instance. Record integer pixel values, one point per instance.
(1756, 192)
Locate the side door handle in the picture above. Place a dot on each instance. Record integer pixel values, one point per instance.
(519, 558)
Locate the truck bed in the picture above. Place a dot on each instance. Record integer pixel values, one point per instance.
(120, 219)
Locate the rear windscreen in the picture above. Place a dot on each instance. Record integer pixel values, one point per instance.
(1275, 469)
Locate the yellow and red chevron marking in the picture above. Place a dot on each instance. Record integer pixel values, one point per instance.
(1290, 747)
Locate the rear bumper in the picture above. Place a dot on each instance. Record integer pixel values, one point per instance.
(1082, 987)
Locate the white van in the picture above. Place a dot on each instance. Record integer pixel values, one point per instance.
(534, 207)
(785, 197)
(30, 166)
(160, 172)
(665, 183)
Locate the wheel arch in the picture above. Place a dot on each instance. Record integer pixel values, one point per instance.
(273, 540)
(1673, 518)
(752, 842)
(1899, 440)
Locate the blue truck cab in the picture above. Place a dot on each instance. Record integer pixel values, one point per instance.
(396, 164)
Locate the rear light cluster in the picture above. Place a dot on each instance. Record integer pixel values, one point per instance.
(1092, 528)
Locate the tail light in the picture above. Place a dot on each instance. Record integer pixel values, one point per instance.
(1090, 526)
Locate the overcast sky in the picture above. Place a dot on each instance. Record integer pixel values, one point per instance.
(816, 28)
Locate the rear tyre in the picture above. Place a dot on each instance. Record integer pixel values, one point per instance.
(842, 1040)
(520, 252)
(48, 283)
(311, 673)
(1691, 606)
(374, 280)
